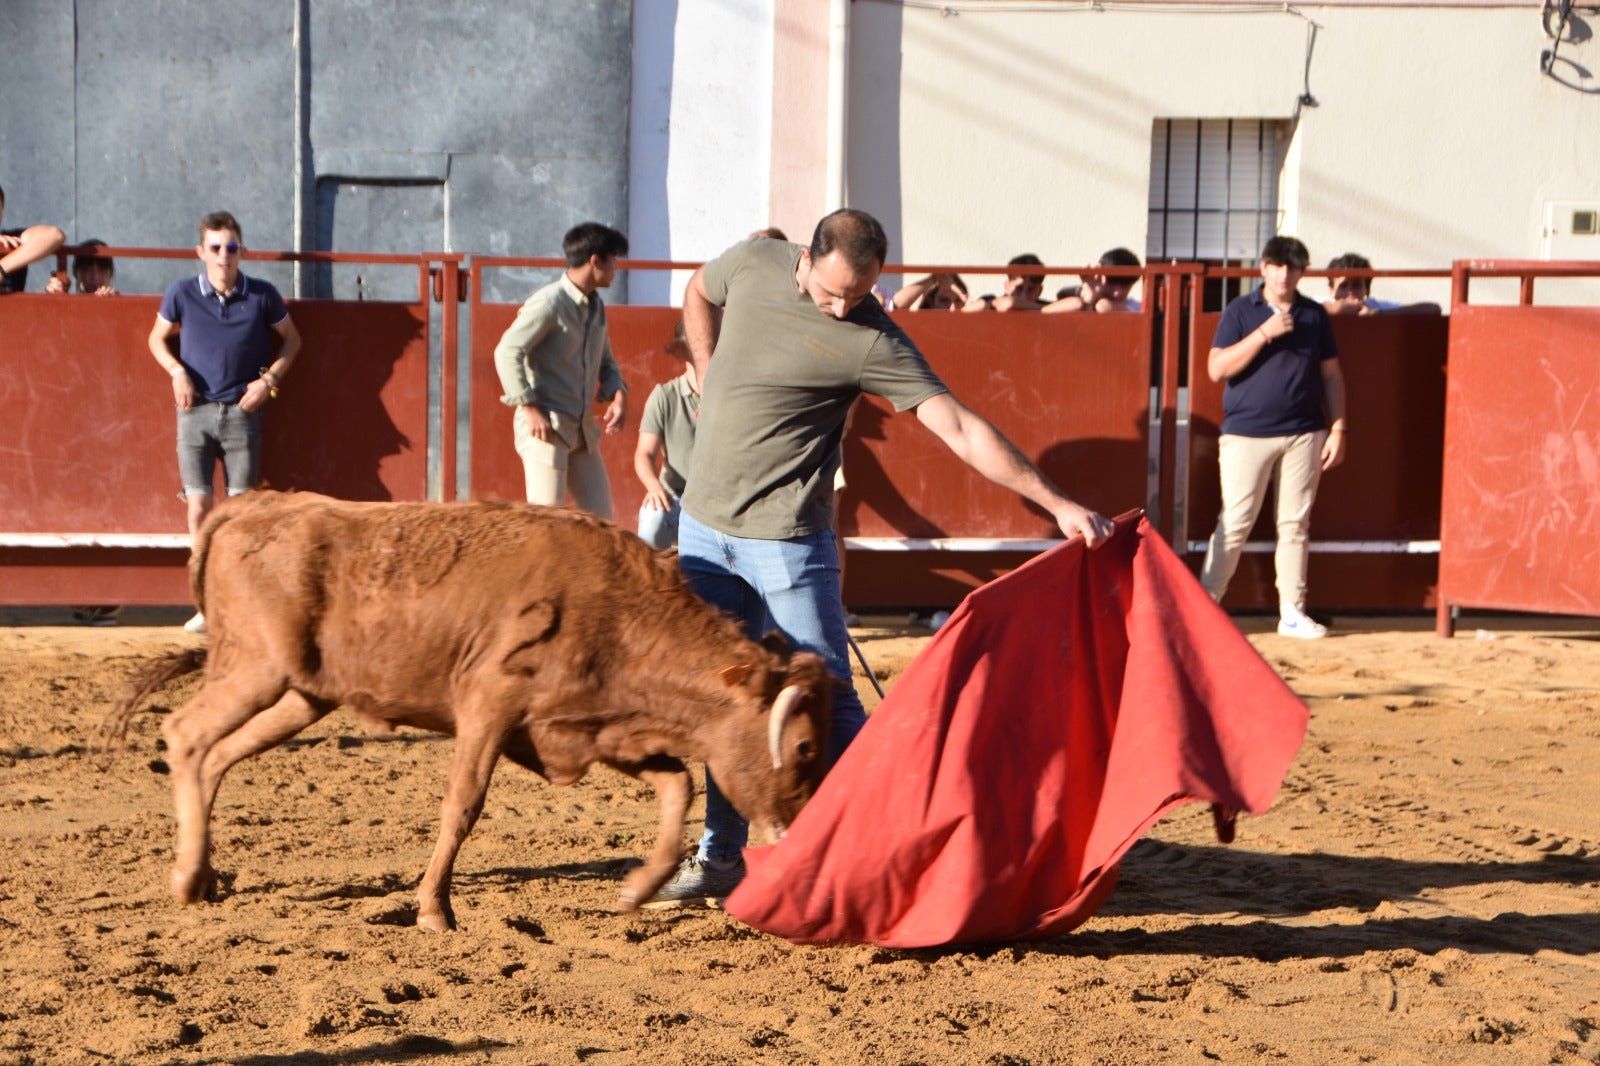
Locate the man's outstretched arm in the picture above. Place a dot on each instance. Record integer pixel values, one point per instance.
(978, 444)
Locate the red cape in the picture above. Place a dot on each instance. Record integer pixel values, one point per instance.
(1060, 712)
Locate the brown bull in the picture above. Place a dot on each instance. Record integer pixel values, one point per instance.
(544, 635)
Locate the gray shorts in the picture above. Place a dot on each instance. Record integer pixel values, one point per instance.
(211, 431)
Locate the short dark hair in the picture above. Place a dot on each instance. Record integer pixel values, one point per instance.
(855, 235)
(588, 239)
(771, 233)
(1350, 261)
(220, 220)
(87, 257)
(1286, 251)
(2, 195)
(1120, 257)
(1027, 259)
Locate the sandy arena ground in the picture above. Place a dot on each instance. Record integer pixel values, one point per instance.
(1424, 891)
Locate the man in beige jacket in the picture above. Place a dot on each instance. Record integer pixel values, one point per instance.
(553, 363)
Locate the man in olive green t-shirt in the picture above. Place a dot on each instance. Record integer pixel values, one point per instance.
(666, 444)
(800, 338)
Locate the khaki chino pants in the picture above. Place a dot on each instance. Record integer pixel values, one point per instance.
(552, 469)
(1248, 465)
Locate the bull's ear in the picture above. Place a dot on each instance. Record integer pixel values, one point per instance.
(777, 643)
(733, 676)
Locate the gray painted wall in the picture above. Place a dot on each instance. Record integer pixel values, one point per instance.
(372, 125)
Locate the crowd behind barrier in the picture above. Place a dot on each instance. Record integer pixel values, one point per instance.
(1110, 406)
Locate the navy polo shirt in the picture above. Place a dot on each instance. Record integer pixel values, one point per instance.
(1280, 393)
(224, 340)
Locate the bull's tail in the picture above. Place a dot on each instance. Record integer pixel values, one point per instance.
(151, 678)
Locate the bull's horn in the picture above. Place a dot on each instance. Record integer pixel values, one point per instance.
(782, 707)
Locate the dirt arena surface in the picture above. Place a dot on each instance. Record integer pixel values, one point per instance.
(1424, 891)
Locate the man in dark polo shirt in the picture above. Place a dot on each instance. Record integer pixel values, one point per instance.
(1283, 421)
(800, 338)
(224, 372)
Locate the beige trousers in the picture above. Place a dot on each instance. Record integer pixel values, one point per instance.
(553, 469)
(1248, 465)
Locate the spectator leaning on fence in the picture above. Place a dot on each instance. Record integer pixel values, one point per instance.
(19, 247)
(92, 273)
(224, 371)
(1104, 293)
(1353, 296)
(936, 292)
(1023, 288)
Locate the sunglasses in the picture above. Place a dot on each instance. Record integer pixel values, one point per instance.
(232, 248)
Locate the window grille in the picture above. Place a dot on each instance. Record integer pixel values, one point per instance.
(1214, 188)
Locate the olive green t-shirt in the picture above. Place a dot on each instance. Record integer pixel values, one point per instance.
(671, 413)
(781, 382)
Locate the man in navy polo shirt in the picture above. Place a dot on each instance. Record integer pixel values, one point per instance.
(1283, 420)
(224, 372)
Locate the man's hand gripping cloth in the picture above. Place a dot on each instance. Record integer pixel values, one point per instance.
(1061, 712)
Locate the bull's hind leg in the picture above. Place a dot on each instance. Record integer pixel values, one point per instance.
(222, 707)
(477, 750)
(674, 791)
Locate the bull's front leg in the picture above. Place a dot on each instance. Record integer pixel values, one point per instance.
(470, 770)
(674, 791)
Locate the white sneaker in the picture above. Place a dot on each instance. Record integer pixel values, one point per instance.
(1294, 623)
(197, 624)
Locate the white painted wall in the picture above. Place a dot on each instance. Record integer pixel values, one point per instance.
(700, 133)
(985, 133)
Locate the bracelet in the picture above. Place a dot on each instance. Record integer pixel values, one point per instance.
(175, 371)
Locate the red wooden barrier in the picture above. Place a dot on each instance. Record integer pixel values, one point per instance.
(1521, 482)
(86, 449)
(90, 482)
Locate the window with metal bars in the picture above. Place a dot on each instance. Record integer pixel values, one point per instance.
(1214, 191)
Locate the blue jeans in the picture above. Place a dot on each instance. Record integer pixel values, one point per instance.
(792, 585)
(659, 529)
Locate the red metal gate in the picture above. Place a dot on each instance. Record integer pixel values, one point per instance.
(1520, 524)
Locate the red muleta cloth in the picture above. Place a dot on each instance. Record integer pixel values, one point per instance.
(1060, 712)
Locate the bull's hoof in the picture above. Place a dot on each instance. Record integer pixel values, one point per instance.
(642, 885)
(196, 886)
(436, 921)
